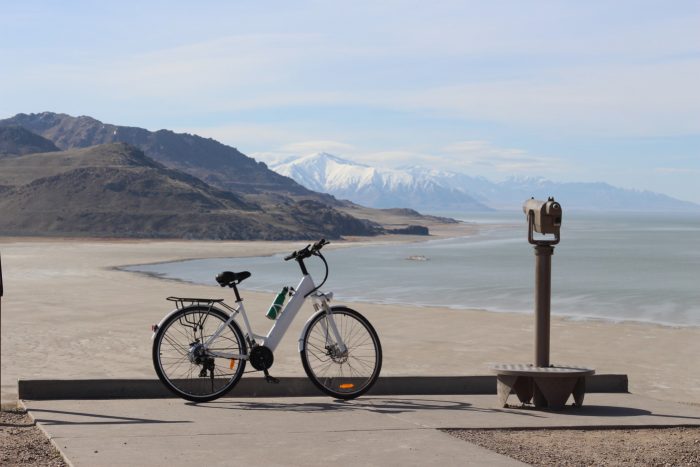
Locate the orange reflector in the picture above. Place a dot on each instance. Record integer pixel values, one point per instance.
(232, 364)
(346, 386)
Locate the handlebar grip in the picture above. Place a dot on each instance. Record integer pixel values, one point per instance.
(320, 244)
(292, 256)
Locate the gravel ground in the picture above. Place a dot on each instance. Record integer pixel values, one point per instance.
(610, 447)
(22, 443)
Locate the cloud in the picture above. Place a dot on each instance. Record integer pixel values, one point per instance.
(474, 157)
(589, 70)
(393, 158)
(676, 171)
(293, 150)
(620, 100)
(309, 147)
(246, 135)
(224, 73)
(482, 155)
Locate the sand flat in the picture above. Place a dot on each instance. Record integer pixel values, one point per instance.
(67, 313)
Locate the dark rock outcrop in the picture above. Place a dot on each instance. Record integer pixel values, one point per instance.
(410, 230)
(17, 140)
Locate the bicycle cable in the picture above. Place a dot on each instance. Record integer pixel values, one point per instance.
(325, 278)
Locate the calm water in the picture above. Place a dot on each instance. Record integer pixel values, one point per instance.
(616, 267)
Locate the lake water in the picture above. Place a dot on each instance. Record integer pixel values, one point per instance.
(616, 267)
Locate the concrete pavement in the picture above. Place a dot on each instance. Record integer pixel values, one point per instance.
(376, 430)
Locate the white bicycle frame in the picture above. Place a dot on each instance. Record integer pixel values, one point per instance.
(279, 328)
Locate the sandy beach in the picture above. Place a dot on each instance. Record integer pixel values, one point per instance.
(68, 313)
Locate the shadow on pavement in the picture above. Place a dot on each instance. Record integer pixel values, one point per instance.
(104, 419)
(612, 411)
(588, 411)
(374, 405)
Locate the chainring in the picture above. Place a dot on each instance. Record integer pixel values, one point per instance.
(261, 357)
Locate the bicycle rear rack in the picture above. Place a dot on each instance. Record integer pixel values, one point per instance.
(181, 301)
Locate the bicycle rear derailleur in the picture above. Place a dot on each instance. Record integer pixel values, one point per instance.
(198, 356)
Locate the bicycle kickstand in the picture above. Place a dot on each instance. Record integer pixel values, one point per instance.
(269, 378)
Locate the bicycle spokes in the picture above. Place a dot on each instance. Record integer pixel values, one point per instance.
(186, 365)
(347, 368)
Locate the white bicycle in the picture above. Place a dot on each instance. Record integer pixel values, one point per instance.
(200, 353)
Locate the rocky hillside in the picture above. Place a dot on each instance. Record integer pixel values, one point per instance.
(115, 190)
(18, 140)
(217, 164)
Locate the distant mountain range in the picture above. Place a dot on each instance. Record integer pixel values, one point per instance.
(437, 190)
(75, 176)
(375, 187)
(115, 190)
(215, 163)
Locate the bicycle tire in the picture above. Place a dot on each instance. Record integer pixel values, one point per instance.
(333, 374)
(173, 361)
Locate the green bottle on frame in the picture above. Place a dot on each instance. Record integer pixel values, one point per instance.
(276, 307)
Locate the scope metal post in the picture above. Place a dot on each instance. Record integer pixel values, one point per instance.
(543, 294)
(544, 218)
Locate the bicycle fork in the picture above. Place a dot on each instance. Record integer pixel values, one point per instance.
(321, 304)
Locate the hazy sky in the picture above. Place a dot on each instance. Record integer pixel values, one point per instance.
(568, 90)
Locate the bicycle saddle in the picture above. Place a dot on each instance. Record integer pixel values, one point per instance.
(228, 278)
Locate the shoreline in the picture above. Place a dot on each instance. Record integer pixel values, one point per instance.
(68, 313)
(572, 317)
(564, 317)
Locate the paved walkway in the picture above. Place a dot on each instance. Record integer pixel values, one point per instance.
(308, 431)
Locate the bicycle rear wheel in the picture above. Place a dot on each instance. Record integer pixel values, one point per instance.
(344, 375)
(183, 364)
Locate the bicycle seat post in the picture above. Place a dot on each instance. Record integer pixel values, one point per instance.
(235, 291)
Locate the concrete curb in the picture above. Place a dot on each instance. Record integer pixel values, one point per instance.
(35, 389)
(51, 439)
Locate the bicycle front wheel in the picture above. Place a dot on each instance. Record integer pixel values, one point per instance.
(188, 368)
(344, 374)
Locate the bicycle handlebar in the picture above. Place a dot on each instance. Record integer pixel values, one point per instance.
(308, 250)
(295, 253)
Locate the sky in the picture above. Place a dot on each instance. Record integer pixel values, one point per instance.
(567, 90)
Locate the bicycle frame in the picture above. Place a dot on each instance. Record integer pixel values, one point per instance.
(281, 325)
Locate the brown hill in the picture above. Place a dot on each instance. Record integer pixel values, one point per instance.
(19, 140)
(116, 190)
(218, 164)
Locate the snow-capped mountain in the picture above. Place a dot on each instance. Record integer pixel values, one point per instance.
(375, 187)
(438, 190)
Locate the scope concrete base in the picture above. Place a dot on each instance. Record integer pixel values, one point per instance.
(547, 387)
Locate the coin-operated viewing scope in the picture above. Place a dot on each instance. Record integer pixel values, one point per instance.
(543, 217)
